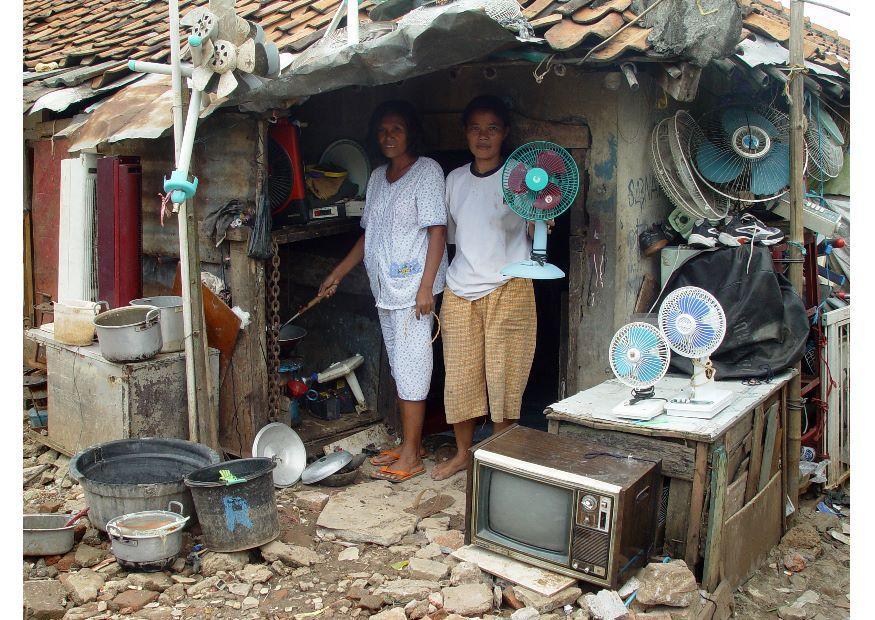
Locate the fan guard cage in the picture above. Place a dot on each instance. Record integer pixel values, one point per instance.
(639, 355)
(280, 178)
(693, 321)
(825, 152)
(564, 180)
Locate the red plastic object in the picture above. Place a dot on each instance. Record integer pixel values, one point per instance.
(119, 230)
(285, 134)
(838, 242)
(297, 388)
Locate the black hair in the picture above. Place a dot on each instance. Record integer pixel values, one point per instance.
(487, 103)
(408, 113)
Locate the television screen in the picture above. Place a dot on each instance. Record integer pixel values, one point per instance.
(528, 515)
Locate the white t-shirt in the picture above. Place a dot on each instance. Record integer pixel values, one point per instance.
(487, 234)
(396, 220)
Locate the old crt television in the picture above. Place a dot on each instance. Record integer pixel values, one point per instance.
(562, 503)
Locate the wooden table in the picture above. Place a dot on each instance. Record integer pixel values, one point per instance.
(724, 488)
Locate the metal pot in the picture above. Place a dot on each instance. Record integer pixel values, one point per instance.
(148, 540)
(172, 330)
(130, 334)
(45, 534)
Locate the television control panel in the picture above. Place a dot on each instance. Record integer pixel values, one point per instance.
(594, 511)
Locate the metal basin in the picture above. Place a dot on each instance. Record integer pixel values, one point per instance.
(148, 540)
(45, 534)
(130, 334)
(172, 330)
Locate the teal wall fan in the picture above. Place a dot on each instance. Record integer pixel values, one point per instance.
(540, 182)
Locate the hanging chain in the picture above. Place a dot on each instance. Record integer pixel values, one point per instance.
(273, 347)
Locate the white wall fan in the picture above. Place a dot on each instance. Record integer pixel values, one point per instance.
(639, 355)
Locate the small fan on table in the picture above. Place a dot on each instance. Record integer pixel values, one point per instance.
(694, 324)
(639, 356)
(540, 182)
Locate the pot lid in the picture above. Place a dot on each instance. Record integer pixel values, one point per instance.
(279, 442)
(325, 466)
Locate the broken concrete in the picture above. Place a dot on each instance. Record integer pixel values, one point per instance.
(135, 600)
(372, 512)
(671, 584)
(429, 570)
(350, 554)
(448, 541)
(468, 599)
(290, 555)
(212, 563)
(606, 605)
(83, 586)
(546, 604)
(44, 600)
(406, 590)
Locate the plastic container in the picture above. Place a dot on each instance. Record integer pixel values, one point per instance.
(74, 321)
(133, 475)
(240, 515)
(172, 330)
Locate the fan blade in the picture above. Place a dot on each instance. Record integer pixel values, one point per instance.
(550, 161)
(733, 118)
(246, 56)
(719, 166)
(771, 173)
(200, 77)
(621, 363)
(227, 84)
(548, 198)
(516, 180)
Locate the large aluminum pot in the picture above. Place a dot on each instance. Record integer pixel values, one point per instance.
(45, 534)
(131, 334)
(148, 540)
(172, 330)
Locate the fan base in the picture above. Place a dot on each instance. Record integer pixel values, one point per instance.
(532, 270)
(642, 410)
(705, 405)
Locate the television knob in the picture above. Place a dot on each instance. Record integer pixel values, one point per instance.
(586, 569)
(575, 565)
(589, 503)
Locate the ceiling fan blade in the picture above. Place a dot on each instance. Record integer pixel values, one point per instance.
(771, 174)
(548, 198)
(246, 56)
(516, 180)
(716, 165)
(733, 118)
(200, 77)
(550, 161)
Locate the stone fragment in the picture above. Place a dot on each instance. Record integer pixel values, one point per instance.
(349, 554)
(44, 600)
(371, 602)
(240, 589)
(794, 562)
(396, 613)
(526, 613)
(606, 605)
(83, 586)
(448, 541)
(497, 597)
(546, 604)
(434, 523)
(255, 573)
(470, 599)
(205, 585)
(87, 556)
(47, 457)
(213, 562)
(314, 501)
(436, 599)
(175, 593)
(466, 572)
(178, 565)
(416, 610)
(290, 555)
(429, 552)
(135, 600)
(803, 536)
(372, 512)
(789, 612)
(420, 568)
(156, 582)
(405, 590)
(670, 584)
(82, 613)
(249, 602)
(183, 579)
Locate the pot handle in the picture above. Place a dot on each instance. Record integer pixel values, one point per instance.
(173, 503)
(155, 314)
(97, 305)
(117, 536)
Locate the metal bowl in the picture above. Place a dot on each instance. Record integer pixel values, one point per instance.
(347, 474)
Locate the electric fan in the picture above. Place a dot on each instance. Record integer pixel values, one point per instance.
(824, 141)
(540, 182)
(639, 356)
(743, 153)
(694, 324)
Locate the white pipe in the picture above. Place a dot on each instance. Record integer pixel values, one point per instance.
(194, 108)
(352, 22)
(175, 75)
(138, 66)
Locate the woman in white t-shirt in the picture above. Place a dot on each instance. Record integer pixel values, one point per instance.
(488, 321)
(404, 251)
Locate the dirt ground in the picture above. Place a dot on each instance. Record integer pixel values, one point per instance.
(315, 582)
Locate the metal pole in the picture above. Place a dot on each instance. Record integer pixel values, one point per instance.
(797, 195)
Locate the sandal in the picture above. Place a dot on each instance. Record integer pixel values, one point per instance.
(397, 475)
(392, 453)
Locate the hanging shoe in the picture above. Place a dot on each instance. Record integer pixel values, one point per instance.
(745, 228)
(703, 235)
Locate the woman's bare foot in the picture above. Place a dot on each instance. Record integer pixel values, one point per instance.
(444, 470)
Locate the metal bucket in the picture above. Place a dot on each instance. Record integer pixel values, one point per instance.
(238, 515)
(132, 475)
(148, 540)
(45, 534)
(130, 334)
(172, 329)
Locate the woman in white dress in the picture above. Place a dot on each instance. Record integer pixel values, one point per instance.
(404, 251)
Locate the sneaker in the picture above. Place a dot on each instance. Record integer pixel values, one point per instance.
(703, 235)
(745, 228)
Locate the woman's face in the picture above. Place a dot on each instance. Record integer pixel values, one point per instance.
(485, 132)
(392, 136)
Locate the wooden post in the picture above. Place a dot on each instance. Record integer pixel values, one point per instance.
(797, 195)
(716, 512)
(697, 504)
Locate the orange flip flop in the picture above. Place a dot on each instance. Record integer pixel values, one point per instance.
(397, 475)
(392, 453)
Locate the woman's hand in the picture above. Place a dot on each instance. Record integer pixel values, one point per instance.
(329, 285)
(424, 302)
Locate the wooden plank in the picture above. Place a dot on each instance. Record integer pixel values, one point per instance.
(736, 456)
(769, 446)
(697, 505)
(678, 460)
(646, 293)
(48, 442)
(716, 518)
(679, 493)
(756, 454)
(326, 228)
(738, 432)
(735, 495)
(751, 532)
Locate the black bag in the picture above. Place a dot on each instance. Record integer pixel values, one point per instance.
(260, 247)
(767, 325)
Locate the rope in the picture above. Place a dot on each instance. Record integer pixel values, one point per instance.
(413, 313)
(165, 200)
(540, 77)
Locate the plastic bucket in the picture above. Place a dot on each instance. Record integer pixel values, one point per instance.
(236, 515)
(74, 321)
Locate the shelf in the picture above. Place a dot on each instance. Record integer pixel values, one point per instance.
(291, 234)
